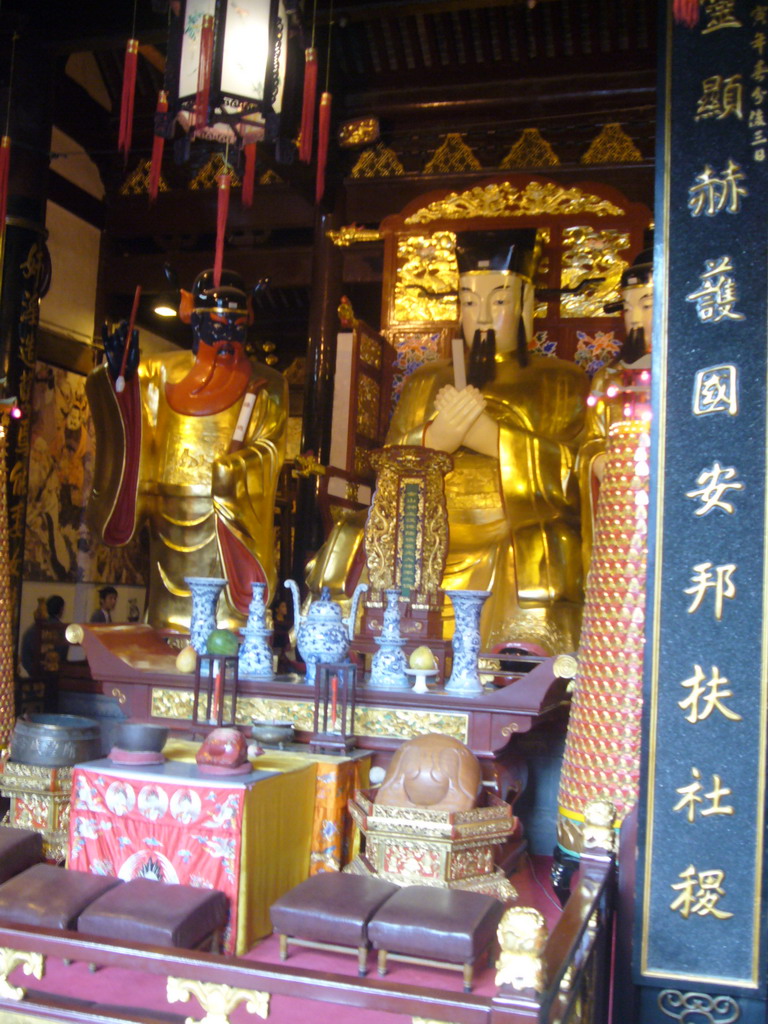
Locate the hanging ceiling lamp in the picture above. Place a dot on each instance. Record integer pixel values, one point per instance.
(229, 63)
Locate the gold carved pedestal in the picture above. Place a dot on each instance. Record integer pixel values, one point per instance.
(40, 801)
(445, 849)
(406, 538)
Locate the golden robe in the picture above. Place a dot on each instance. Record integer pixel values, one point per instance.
(207, 508)
(513, 519)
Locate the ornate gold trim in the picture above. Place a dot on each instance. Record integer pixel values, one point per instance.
(531, 150)
(137, 182)
(32, 964)
(452, 156)
(363, 131)
(74, 633)
(565, 666)
(701, 1006)
(522, 935)
(386, 723)
(269, 177)
(379, 162)
(503, 199)
(217, 1000)
(207, 175)
(612, 146)
(350, 235)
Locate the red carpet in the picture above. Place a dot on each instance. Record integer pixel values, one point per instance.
(113, 986)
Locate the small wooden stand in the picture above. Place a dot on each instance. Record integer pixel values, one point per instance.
(334, 718)
(218, 674)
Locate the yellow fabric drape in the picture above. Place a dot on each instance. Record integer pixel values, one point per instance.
(294, 824)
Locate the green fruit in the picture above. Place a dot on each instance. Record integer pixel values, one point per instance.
(222, 641)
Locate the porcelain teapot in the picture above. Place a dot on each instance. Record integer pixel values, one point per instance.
(322, 634)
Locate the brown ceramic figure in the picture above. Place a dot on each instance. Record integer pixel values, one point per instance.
(432, 771)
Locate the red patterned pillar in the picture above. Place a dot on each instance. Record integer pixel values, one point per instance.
(602, 749)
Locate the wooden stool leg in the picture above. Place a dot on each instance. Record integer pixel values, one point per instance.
(382, 962)
(468, 972)
(362, 961)
(283, 940)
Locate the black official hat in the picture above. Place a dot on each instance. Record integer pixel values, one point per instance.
(513, 250)
(641, 272)
(229, 296)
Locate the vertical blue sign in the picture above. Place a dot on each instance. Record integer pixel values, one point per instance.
(702, 805)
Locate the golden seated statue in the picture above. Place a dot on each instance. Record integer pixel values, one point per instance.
(431, 822)
(511, 424)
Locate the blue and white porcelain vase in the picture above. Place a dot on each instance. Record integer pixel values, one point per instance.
(388, 664)
(205, 595)
(322, 634)
(467, 606)
(255, 655)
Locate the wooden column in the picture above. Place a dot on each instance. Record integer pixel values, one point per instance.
(318, 394)
(23, 272)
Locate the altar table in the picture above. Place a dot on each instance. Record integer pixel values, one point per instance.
(247, 835)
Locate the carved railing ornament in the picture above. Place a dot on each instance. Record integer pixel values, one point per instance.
(32, 964)
(217, 1000)
(599, 833)
(522, 935)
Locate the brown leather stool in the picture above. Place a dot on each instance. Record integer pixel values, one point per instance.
(20, 848)
(51, 897)
(159, 914)
(330, 911)
(437, 927)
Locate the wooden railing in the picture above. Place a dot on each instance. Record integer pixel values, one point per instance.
(563, 981)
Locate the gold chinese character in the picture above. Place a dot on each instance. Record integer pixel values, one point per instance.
(721, 97)
(713, 193)
(756, 119)
(710, 697)
(717, 294)
(759, 71)
(715, 389)
(720, 14)
(690, 797)
(713, 484)
(758, 42)
(700, 892)
(759, 155)
(760, 14)
(720, 582)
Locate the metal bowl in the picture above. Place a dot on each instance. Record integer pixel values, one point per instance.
(55, 741)
(272, 734)
(141, 736)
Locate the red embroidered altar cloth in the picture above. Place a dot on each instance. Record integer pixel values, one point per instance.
(173, 823)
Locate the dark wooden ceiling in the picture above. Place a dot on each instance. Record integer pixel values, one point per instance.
(483, 69)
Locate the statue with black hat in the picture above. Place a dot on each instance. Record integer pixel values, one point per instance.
(191, 445)
(511, 420)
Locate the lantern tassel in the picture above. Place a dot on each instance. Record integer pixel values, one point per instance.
(686, 12)
(249, 175)
(222, 209)
(204, 67)
(308, 105)
(323, 134)
(5, 162)
(125, 132)
(158, 145)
